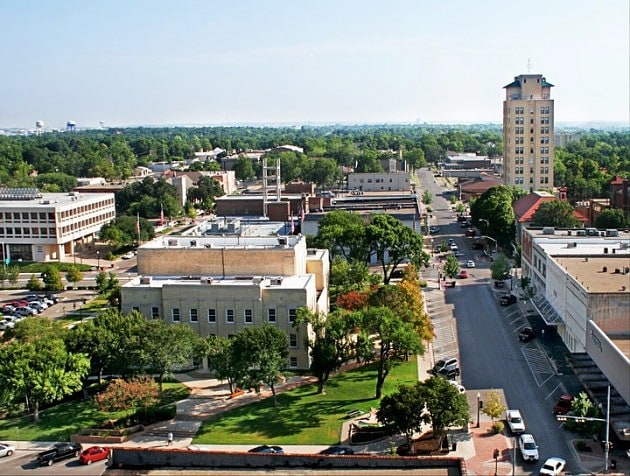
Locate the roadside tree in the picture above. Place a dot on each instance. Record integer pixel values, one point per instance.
(52, 280)
(445, 406)
(74, 275)
(493, 405)
(34, 284)
(451, 267)
(493, 215)
(500, 268)
(402, 411)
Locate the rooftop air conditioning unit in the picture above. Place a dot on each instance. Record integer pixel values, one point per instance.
(549, 230)
(145, 279)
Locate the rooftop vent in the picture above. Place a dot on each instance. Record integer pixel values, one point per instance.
(275, 281)
(145, 279)
(549, 230)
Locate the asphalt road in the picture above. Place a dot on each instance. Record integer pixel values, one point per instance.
(24, 462)
(490, 354)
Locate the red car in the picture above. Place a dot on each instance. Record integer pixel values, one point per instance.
(463, 274)
(93, 454)
(563, 406)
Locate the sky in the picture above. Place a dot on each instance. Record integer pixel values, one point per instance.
(215, 62)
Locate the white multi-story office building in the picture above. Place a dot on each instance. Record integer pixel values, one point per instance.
(223, 283)
(38, 226)
(528, 131)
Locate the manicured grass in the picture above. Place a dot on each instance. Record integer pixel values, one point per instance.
(59, 422)
(302, 416)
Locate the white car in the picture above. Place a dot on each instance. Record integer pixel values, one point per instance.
(528, 447)
(6, 450)
(470, 264)
(553, 466)
(460, 388)
(515, 421)
(128, 255)
(5, 324)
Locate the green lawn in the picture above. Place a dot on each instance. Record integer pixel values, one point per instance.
(59, 422)
(303, 417)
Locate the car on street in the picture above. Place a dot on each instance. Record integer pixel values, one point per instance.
(528, 447)
(463, 274)
(507, 300)
(454, 247)
(470, 264)
(515, 421)
(93, 454)
(337, 450)
(563, 405)
(267, 449)
(6, 449)
(434, 229)
(445, 365)
(553, 466)
(526, 334)
(58, 452)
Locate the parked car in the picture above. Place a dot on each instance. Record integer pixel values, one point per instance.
(267, 449)
(53, 297)
(38, 306)
(526, 334)
(128, 255)
(463, 274)
(528, 447)
(454, 247)
(6, 449)
(470, 264)
(5, 324)
(58, 452)
(337, 450)
(26, 311)
(553, 466)
(460, 388)
(445, 365)
(563, 405)
(93, 454)
(507, 300)
(448, 374)
(434, 229)
(515, 421)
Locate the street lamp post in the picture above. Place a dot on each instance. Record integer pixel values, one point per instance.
(606, 420)
(98, 260)
(495, 455)
(478, 408)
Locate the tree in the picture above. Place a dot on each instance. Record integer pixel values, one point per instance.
(402, 411)
(331, 346)
(37, 365)
(451, 267)
(500, 268)
(122, 395)
(388, 235)
(34, 284)
(165, 347)
(445, 406)
(612, 218)
(493, 405)
(396, 339)
(265, 350)
(343, 233)
(555, 213)
(582, 406)
(427, 198)
(493, 214)
(74, 275)
(14, 274)
(224, 362)
(243, 169)
(52, 280)
(101, 281)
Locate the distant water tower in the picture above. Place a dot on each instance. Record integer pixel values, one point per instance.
(39, 126)
(71, 126)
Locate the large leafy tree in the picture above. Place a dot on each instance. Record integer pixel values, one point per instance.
(612, 218)
(555, 213)
(387, 235)
(264, 350)
(493, 214)
(402, 411)
(243, 169)
(500, 268)
(445, 406)
(393, 338)
(343, 233)
(37, 365)
(451, 267)
(331, 345)
(52, 279)
(123, 231)
(222, 358)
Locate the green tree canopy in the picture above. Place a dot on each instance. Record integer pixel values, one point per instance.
(555, 213)
(612, 218)
(493, 214)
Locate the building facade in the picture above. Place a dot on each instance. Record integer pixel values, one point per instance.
(42, 227)
(380, 182)
(581, 283)
(528, 132)
(221, 284)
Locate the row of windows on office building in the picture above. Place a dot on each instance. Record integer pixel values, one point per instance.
(230, 315)
(87, 222)
(80, 210)
(519, 170)
(521, 150)
(521, 180)
(543, 120)
(521, 160)
(28, 217)
(532, 110)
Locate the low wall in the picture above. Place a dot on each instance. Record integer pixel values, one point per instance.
(104, 436)
(184, 458)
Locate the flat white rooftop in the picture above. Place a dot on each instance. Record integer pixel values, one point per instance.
(280, 282)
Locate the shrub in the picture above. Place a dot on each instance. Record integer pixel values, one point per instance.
(422, 283)
(497, 427)
(155, 414)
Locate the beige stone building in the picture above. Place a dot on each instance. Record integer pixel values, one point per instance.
(221, 284)
(528, 131)
(37, 226)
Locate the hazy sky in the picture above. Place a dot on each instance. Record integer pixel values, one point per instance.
(158, 62)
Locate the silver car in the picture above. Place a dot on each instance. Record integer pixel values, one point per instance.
(6, 450)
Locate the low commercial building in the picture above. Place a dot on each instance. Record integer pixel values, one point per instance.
(37, 226)
(380, 182)
(223, 283)
(581, 284)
